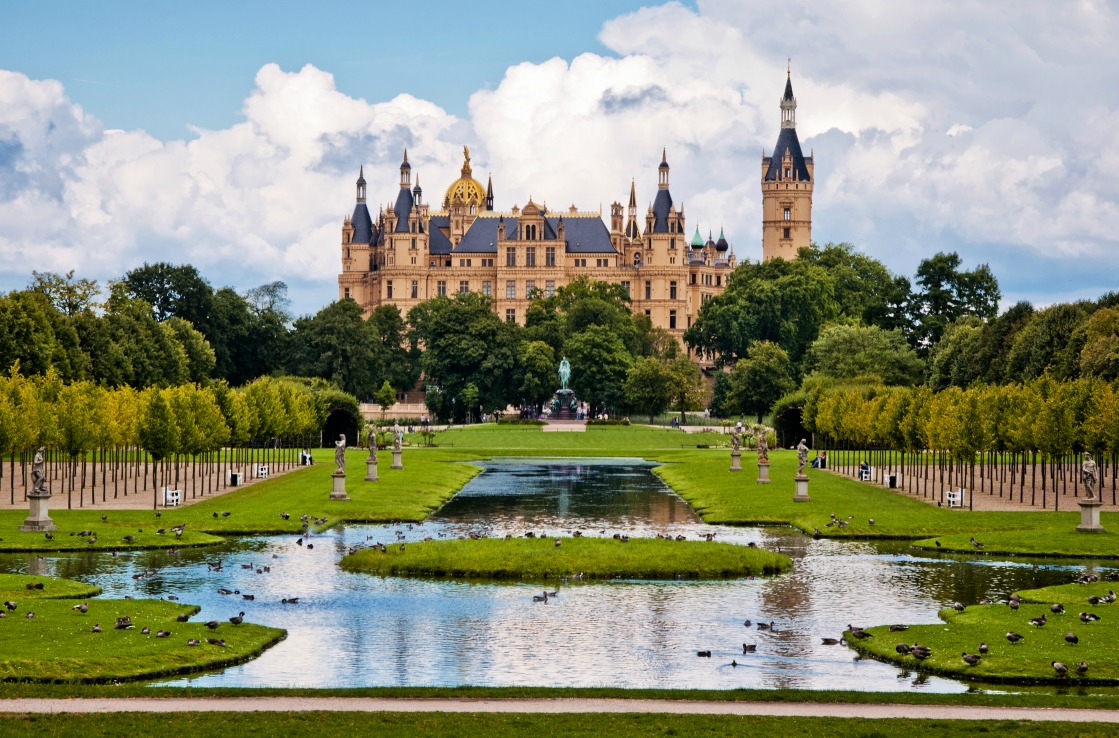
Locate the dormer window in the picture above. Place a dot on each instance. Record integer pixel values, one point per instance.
(787, 173)
(788, 213)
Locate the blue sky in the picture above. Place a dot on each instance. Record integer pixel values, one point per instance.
(228, 135)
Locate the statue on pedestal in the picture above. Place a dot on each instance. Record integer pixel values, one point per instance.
(398, 437)
(373, 445)
(564, 373)
(1088, 474)
(39, 476)
(802, 456)
(763, 448)
(736, 438)
(340, 454)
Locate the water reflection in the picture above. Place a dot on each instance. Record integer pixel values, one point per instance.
(355, 630)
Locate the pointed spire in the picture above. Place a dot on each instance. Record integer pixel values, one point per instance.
(406, 157)
(662, 170)
(664, 157)
(789, 103)
(632, 195)
(361, 174)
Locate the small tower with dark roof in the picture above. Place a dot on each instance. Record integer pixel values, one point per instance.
(788, 177)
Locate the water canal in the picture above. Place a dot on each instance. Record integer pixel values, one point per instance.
(351, 630)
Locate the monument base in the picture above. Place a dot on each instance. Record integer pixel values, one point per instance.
(1090, 516)
(338, 490)
(371, 471)
(802, 489)
(763, 472)
(38, 521)
(396, 462)
(736, 461)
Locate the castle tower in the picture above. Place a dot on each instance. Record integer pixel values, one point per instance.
(787, 180)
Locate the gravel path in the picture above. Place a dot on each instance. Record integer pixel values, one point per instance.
(553, 706)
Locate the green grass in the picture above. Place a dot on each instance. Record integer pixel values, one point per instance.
(57, 643)
(1048, 534)
(1069, 593)
(596, 558)
(1028, 661)
(429, 479)
(14, 587)
(206, 725)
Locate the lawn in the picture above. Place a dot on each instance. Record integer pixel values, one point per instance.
(14, 587)
(1027, 661)
(47, 640)
(539, 559)
(471, 725)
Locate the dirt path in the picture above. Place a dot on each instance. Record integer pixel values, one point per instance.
(555, 706)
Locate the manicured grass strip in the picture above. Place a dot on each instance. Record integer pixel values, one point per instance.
(1050, 534)
(206, 725)
(1071, 594)
(596, 558)
(1028, 661)
(106, 535)
(14, 587)
(58, 644)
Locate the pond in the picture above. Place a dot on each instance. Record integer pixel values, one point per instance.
(351, 630)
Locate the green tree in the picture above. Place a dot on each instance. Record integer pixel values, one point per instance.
(997, 339)
(68, 295)
(171, 291)
(864, 288)
(1038, 345)
(688, 389)
(599, 363)
(537, 372)
(385, 397)
(946, 293)
(760, 379)
(339, 345)
(952, 359)
(648, 386)
(199, 355)
(401, 361)
(845, 351)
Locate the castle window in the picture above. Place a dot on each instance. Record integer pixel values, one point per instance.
(550, 288)
(672, 320)
(388, 289)
(672, 243)
(463, 287)
(530, 287)
(786, 172)
(415, 289)
(786, 232)
(530, 255)
(693, 277)
(648, 313)
(625, 286)
(346, 293)
(510, 256)
(672, 290)
(472, 210)
(441, 288)
(648, 290)
(580, 262)
(718, 280)
(550, 256)
(788, 213)
(413, 261)
(413, 244)
(637, 258)
(510, 290)
(510, 315)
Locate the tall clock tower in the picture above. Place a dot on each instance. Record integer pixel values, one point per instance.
(787, 179)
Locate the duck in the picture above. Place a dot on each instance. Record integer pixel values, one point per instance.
(1040, 620)
(213, 625)
(238, 618)
(9, 604)
(250, 598)
(540, 597)
(83, 607)
(830, 641)
(1082, 667)
(29, 615)
(748, 623)
(182, 617)
(749, 648)
(216, 641)
(1061, 669)
(162, 633)
(898, 628)
(1088, 617)
(1057, 608)
(284, 515)
(146, 631)
(703, 654)
(959, 606)
(289, 601)
(195, 641)
(96, 628)
(971, 659)
(766, 626)
(861, 634)
(902, 649)
(1014, 637)
(983, 649)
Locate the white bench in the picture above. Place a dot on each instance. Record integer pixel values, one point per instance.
(172, 497)
(955, 497)
(262, 471)
(865, 475)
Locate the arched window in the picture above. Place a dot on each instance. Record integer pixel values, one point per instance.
(637, 258)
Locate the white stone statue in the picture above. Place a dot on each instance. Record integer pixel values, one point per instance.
(39, 475)
(340, 454)
(802, 456)
(736, 438)
(1088, 474)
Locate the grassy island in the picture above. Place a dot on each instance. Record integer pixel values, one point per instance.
(14, 587)
(596, 558)
(1029, 661)
(58, 644)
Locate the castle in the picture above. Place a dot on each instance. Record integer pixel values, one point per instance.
(413, 253)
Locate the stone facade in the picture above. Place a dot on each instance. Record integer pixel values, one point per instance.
(787, 180)
(411, 253)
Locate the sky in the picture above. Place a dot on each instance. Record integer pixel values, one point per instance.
(229, 135)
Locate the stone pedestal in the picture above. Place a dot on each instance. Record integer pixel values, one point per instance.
(736, 461)
(371, 470)
(763, 472)
(338, 490)
(38, 521)
(396, 462)
(1090, 516)
(802, 489)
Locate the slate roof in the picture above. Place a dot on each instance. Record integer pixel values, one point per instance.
(661, 205)
(403, 209)
(787, 141)
(788, 89)
(583, 235)
(437, 243)
(363, 224)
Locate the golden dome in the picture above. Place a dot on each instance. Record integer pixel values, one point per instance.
(466, 188)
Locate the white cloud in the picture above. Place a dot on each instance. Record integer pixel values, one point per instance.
(987, 128)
